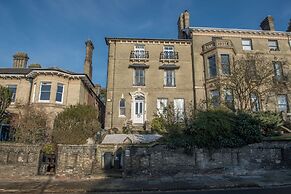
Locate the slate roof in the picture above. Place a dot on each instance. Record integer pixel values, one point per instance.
(130, 138)
(23, 71)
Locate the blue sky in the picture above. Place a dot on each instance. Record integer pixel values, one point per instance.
(53, 32)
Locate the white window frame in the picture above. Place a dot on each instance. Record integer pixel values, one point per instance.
(34, 90)
(162, 103)
(286, 102)
(169, 51)
(255, 102)
(247, 44)
(134, 73)
(122, 115)
(13, 97)
(139, 51)
(179, 109)
(278, 69)
(60, 102)
(274, 47)
(173, 78)
(40, 91)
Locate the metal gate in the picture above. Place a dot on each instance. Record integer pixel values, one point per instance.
(47, 164)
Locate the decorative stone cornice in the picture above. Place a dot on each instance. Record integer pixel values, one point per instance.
(147, 41)
(239, 32)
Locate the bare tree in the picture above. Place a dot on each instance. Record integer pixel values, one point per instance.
(253, 77)
(5, 100)
(30, 125)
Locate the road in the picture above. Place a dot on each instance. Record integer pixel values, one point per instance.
(274, 190)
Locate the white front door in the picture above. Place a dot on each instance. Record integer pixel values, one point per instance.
(138, 110)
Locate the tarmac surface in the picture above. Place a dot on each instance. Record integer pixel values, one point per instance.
(183, 184)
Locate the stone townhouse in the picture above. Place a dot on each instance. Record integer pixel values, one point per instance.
(51, 89)
(145, 75)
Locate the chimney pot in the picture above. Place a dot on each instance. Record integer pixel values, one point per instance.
(20, 60)
(88, 58)
(289, 26)
(268, 24)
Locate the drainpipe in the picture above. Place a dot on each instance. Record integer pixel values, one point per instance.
(113, 79)
(30, 79)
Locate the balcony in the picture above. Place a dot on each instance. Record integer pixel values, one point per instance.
(169, 56)
(139, 56)
(218, 43)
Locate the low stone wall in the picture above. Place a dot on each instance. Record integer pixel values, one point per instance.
(160, 160)
(75, 160)
(19, 159)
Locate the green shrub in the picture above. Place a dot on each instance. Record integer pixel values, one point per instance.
(269, 122)
(158, 125)
(76, 124)
(247, 128)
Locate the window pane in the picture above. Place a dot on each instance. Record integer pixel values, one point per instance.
(215, 98)
(136, 108)
(59, 94)
(139, 77)
(212, 67)
(255, 103)
(278, 71)
(59, 97)
(12, 89)
(45, 95)
(169, 78)
(45, 90)
(225, 64)
(273, 44)
(246, 44)
(161, 105)
(282, 103)
(179, 108)
(122, 103)
(122, 107)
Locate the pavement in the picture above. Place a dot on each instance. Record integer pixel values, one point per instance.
(52, 184)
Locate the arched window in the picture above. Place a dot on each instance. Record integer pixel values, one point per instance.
(122, 107)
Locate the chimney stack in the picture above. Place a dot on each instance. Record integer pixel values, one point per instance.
(183, 23)
(268, 24)
(20, 60)
(289, 26)
(88, 59)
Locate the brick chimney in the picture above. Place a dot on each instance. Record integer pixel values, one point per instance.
(183, 23)
(20, 60)
(289, 26)
(268, 24)
(88, 59)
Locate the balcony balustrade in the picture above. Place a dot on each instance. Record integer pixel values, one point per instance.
(139, 55)
(169, 56)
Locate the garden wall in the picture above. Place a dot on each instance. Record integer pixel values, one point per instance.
(160, 160)
(75, 160)
(19, 159)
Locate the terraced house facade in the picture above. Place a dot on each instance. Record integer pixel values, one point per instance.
(146, 75)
